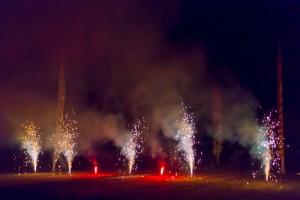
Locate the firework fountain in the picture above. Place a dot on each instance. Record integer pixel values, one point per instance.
(267, 163)
(267, 149)
(67, 144)
(131, 147)
(31, 143)
(186, 138)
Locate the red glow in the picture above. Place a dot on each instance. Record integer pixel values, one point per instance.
(83, 176)
(162, 170)
(164, 178)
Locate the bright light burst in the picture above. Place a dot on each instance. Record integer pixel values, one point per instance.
(31, 142)
(267, 149)
(132, 144)
(186, 138)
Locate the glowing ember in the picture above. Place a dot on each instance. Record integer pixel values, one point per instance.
(67, 143)
(267, 150)
(186, 137)
(132, 147)
(162, 170)
(31, 143)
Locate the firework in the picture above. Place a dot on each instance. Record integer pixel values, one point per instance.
(268, 142)
(132, 147)
(68, 144)
(186, 139)
(267, 163)
(31, 143)
(64, 140)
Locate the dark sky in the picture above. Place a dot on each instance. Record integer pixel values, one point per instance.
(244, 37)
(125, 59)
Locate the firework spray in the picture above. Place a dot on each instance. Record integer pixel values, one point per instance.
(64, 140)
(267, 163)
(132, 147)
(268, 142)
(186, 138)
(31, 143)
(68, 144)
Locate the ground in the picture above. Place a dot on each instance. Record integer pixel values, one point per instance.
(207, 185)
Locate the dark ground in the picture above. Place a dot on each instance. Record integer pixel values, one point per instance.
(206, 185)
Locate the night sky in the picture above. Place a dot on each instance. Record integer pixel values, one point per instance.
(130, 59)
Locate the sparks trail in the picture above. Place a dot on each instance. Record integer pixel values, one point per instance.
(186, 138)
(31, 143)
(267, 148)
(132, 144)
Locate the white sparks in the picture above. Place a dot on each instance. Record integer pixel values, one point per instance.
(68, 144)
(186, 139)
(267, 149)
(132, 147)
(31, 143)
(64, 140)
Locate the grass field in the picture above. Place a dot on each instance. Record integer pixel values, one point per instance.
(209, 185)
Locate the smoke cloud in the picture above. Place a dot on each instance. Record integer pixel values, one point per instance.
(119, 65)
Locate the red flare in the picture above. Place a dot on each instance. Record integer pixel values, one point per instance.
(95, 167)
(162, 170)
